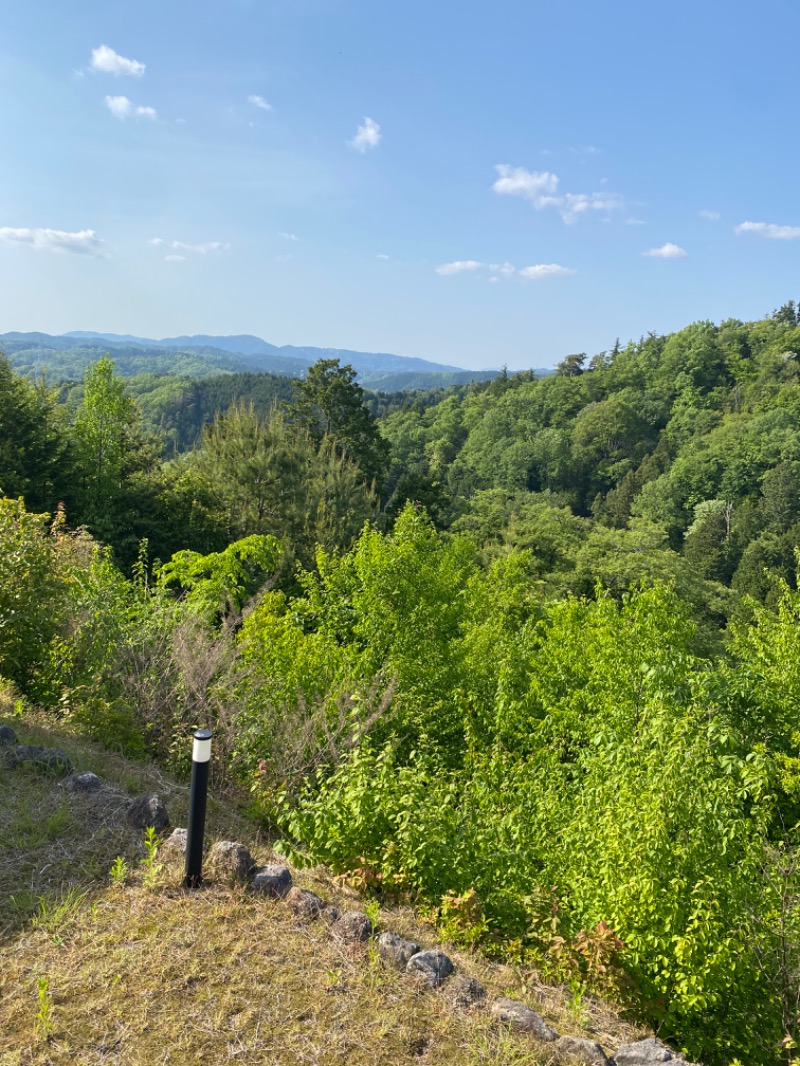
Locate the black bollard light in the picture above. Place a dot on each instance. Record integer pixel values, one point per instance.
(201, 755)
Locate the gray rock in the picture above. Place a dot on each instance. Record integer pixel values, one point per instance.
(230, 861)
(175, 844)
(50, 760)
(522, 1018)
(434, 967)
(396, 950)
(148, 812)
(272, 880)
(353, 927)
(647, 1052)
(86, 782)
(331, 913)
(464, 992)
(8, 738)
(576, 1049)
(305, 904)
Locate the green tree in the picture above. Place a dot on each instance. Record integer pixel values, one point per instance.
(30, 590)
(34, 461)
(271, 477)
(329, 403)
(111, 448)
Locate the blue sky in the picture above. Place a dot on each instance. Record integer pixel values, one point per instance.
(469, 182)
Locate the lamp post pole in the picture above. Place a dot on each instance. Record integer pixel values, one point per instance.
(201, 755)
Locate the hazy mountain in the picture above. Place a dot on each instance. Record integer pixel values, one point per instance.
(254, 347)
(67, 356)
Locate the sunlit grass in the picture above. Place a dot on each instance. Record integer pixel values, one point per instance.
(100, 968)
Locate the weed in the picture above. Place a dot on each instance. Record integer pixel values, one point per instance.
(119, 871)
(372, 909)
(151, 868)
(44, 1015)
(575, 1004)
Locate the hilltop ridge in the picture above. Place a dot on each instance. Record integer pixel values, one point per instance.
(67, 356)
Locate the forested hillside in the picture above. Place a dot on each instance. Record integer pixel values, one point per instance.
(674, 457)
(524, 653)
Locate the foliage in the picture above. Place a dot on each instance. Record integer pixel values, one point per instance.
(272, 478)
(550, 692)
(329, 403)
(218, 585)
(31, 591)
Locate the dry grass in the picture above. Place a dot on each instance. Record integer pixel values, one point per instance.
(93, 972)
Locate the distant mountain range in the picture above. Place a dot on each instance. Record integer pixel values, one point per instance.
(66, 356)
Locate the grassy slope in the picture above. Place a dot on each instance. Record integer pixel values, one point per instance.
(97, 972)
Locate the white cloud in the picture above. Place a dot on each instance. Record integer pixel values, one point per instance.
(288, 236)
(666, 251)
(458, 267)
(200, 249)
(107, 61)
(712, 216)
(544, 270)
(180, 246)
(259, 102)
(498, 270)
(540, 188)
(121, 107)
(82, 242)
(634, 222)
(770, 231)
(368, 136)
(382, 255)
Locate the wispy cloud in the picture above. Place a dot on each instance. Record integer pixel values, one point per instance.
(504, 270)
(200, 249)
(459, 266)
(203, 248)
(381, 255)
(666, 251)
(711, 216)
(368, 136)
(121, 107)
(770, 231)
(107, 61)
(545, 270)
(81, 242)
(174, 258)
(541, 189)
(259, 102)
(288, 236)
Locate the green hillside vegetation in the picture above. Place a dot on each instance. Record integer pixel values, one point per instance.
(525, 653)
(104, 956)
